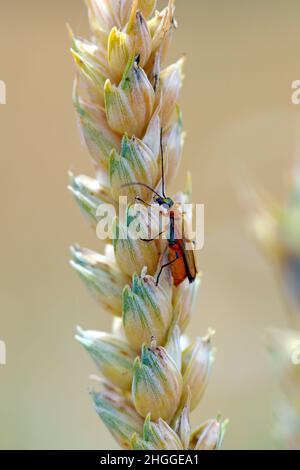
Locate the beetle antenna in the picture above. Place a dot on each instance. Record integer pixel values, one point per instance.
(141, 184)
(162, 164)
(138, 199)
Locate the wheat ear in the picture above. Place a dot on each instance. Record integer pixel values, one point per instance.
(127, 109)
(276, 227)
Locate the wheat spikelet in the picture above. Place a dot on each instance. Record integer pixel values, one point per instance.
(276, 227)
(126, 101)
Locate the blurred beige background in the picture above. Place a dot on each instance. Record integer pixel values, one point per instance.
(242, 129)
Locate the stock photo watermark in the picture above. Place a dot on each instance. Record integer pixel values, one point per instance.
(295, 357)
(2, 353)
(295, 98)
(2, 92)
(2, 343)
(177, 221)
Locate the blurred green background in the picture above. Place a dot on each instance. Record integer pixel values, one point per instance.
(241, 129)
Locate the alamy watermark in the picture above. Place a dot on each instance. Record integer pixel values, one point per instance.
(2, 343)
(296, 93)
(295, 356)
(2, 353)
(2, 92)
(148, 222)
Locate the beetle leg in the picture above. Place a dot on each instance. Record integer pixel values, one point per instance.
(166, 266)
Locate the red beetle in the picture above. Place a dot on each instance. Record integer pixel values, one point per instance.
(181, 261)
